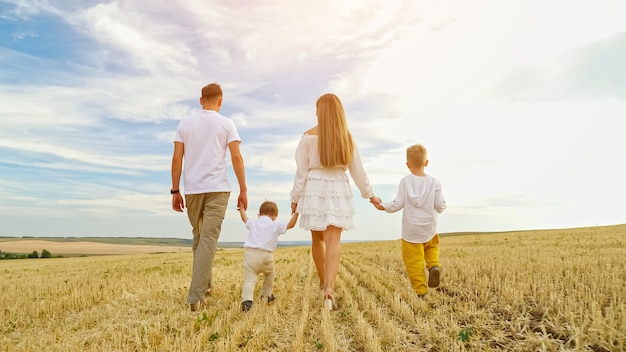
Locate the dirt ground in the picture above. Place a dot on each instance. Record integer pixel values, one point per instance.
(74, 248)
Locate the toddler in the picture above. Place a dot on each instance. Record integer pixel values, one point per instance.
(261, 242)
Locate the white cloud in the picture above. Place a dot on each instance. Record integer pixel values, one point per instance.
(22, 9)
(148, 43)
(592, 71)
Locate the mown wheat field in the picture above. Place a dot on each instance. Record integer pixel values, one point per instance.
(554, 290)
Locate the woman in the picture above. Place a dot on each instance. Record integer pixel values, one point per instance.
(321, 191)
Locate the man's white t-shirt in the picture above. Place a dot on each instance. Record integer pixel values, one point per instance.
(206, 135)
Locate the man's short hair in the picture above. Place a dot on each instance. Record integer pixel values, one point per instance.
(212, 92)
(268, 208)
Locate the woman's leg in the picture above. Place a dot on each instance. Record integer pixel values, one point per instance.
(318, 249)
(332, 241)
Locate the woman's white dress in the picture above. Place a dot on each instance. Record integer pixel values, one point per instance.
(324, 195)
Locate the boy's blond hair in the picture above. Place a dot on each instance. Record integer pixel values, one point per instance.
(268, 208)
(335, 141)
(416, 155)
(212, 92)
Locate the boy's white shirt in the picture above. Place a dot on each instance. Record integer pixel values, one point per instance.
(264, 233)
(420, 199)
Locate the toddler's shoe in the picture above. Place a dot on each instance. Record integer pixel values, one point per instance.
(270, 298)
(433, 276)
(246, 305)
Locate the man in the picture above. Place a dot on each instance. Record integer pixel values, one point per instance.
(202, 139)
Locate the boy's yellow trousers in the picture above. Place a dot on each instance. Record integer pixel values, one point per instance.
(414, 255)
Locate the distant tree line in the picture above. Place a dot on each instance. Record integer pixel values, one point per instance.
(44, 254)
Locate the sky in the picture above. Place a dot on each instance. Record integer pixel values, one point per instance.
(521, 105)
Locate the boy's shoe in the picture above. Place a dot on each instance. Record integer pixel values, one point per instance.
(246, 305)
(197, 306)
(433, 276)
(270, 299)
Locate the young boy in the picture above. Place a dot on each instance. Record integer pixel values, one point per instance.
(420, 197)
(261, 242)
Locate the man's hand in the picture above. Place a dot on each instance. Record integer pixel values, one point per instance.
(177, 202)
(242, 200)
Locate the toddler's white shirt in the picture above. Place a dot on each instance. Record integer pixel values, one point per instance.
(264, 233)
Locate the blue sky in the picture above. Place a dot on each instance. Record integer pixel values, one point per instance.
(521, 104)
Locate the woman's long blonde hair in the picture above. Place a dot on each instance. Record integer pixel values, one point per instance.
(335, 141)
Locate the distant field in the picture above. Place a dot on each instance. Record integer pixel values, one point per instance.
(84, 248)
(554, 290)
(113, 240)
(99, 245)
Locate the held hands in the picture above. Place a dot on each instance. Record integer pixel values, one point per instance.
(376, 202)
(242, 212)
(242, 201)
(293, 208)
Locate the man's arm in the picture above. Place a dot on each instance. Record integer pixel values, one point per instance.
(240, 172)
(292, 221)
(177, 168)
